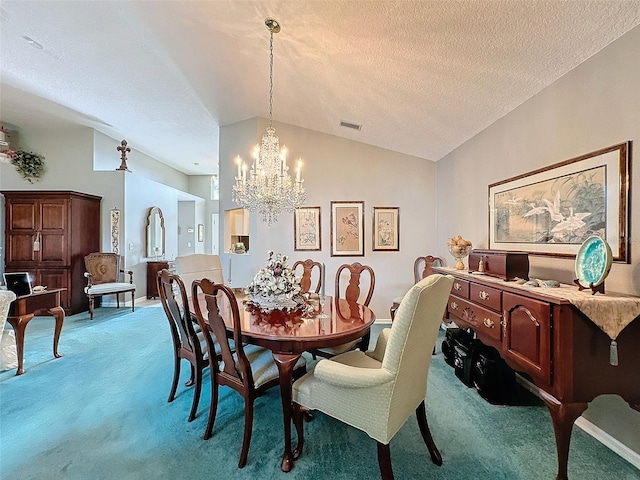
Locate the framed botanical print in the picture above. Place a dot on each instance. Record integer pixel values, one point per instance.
(307, 233)
(553, 210)
(386, 228)
(347, 229)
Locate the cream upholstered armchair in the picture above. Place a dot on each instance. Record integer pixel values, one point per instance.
(103, 274)
(390, 380)
(199, 266)
(8, 352)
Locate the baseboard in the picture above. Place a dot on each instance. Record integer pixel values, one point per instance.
(596, 432)
(382, 321)
(614, 444)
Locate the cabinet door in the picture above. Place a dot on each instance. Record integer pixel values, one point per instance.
(53, 222)
(22, 228)
(55, 278)
(526, 335)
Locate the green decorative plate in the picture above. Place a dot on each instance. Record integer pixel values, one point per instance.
(593, 261)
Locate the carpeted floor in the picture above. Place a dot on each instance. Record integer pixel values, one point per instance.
(101, 412)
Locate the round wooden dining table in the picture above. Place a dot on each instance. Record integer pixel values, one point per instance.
(288, 335)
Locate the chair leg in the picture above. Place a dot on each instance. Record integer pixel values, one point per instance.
(117, 300)
(384, 461)
(196, 394)
(363, 344)
(91, 307)
(421, 413)
(176, 377)
(133, 301)
(213, 407)
(248, 428)
(191, 381)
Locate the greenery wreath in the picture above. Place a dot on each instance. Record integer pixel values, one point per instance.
(30, 165)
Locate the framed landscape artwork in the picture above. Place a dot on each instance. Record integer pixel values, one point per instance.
(307, 234)
(551, 211)
(347, 229)
(386, 228)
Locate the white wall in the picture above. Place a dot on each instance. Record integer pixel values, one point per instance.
(594, 106)
(336, 169)
(70, 156)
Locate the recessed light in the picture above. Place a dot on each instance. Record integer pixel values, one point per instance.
(33, 43)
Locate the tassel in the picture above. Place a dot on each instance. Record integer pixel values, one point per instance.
(613, 353)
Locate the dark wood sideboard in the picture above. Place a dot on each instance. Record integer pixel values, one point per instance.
(552, 343)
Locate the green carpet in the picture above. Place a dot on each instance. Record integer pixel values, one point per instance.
(101, 412)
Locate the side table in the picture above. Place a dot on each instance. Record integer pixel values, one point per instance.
(22, 311)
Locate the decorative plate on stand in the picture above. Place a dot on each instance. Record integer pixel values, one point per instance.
(593, 263)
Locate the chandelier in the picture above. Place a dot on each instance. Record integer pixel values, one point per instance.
(267, 188)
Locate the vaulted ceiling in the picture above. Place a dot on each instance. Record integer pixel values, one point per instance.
(421, 77)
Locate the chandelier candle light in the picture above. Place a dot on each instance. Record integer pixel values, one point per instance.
(268, 189)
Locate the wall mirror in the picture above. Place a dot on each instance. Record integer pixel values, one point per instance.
(155, 233)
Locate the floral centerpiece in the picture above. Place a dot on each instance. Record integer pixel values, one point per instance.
(275, 287)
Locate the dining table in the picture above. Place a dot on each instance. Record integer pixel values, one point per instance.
(290, 333)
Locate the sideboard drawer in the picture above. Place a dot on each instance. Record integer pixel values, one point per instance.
(460, 288)
(486, 296)
(482, 320)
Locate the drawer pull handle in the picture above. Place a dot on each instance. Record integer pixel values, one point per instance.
(488, 323)
(454, 306)
(483, 295)
(457, 286)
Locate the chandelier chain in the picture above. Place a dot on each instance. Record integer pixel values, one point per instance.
(267, 188)
(271, 79)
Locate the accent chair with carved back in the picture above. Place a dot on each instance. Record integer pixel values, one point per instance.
(105, 277)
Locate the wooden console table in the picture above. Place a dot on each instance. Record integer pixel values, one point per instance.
(25, 307)
(552, 342)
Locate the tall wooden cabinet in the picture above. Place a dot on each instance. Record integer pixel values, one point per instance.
(48, 234)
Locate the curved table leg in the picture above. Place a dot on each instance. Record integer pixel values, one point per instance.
(58, 314)
(19, 325)
(285, 363)
(563, 415)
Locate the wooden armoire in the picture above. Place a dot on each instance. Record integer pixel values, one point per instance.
(48, 234)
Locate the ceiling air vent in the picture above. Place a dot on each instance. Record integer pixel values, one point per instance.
(351, 125)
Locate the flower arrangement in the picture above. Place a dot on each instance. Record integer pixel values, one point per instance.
(275, 286)
(30, 165)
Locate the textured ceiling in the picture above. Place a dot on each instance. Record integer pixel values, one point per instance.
(422, 77)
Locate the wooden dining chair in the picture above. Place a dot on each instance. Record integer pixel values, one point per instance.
(251, 371)
(353, 294)
(188, 339)
(308, 267)
(422, 268)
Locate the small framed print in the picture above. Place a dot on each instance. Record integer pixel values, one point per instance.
(386, 228)
(200, 232)
(347, 229)
(307, 234)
